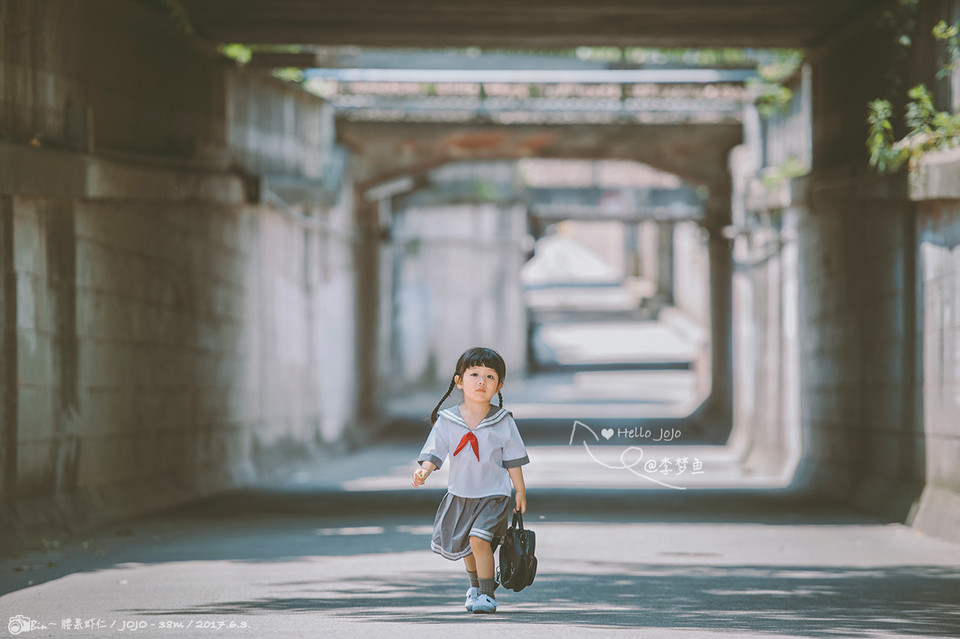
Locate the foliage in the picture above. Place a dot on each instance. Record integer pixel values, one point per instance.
(950, 35)
(771, 97)
(779, 64)
(242, 54)
(772, 70)
(484, 191)
(886, 155)
(237, 52)
(289, 74)
(790, 168)
(928, 129)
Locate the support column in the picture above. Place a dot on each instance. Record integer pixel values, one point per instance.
(631, 249)
(61, 240)
(720, 406)
(8, 355)
(665, 263)
(367, 313)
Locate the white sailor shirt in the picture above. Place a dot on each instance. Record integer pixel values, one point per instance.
(479, 469)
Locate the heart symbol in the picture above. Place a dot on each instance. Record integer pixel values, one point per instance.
(607, 433)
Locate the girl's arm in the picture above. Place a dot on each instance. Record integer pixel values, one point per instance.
(420, 475)
(516, 476)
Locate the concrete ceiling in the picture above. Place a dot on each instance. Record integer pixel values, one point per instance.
(527, 24)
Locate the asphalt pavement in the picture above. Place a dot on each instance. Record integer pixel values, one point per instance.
(639, 534)
(342, 550)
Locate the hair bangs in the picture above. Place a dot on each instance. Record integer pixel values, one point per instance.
(486, 357)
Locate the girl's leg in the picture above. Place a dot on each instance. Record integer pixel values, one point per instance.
(471, 565)
(482, 557)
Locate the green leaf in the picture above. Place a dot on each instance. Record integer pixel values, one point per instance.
(238, 52)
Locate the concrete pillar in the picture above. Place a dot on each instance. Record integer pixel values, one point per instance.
(665, 255)
(720, 404)
(8, 355)
(368, 347)
(61, 240)
(631, 249)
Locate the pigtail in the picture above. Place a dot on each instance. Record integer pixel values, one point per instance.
(501, 399)
(436, 409)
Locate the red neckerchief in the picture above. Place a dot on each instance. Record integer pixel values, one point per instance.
(469, 437)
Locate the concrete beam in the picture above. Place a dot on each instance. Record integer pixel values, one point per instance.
(696, 153)
(505, 24)
(937, 177)
(50, 173)
(633, 214)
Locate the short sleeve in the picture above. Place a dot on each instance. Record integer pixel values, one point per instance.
(514, 452)
(437, 447)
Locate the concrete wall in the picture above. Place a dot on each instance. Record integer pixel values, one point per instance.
(766, 346)
(138, 86)
(691, 269)
(826, 340)
(604, 238)
(936, 427)
(455, 284)
(870, 434)
(767, 209)
(875, 264)
(175, 281)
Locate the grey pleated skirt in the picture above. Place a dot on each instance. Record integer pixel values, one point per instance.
(459, 518)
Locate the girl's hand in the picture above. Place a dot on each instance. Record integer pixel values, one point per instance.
(516, 476)
(420, 477)
(521, 504)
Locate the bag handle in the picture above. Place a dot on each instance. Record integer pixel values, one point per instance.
(517, 517)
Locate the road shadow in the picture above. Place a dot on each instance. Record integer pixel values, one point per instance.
(256, 526)
(809, 601)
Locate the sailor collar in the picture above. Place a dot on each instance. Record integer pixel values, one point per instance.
(453, 414)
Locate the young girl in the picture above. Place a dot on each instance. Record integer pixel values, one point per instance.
(486, 453)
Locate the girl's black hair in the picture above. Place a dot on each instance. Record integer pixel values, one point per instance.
(478, 356)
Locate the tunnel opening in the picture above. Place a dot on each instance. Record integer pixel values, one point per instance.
(612, 300)
(581, 322)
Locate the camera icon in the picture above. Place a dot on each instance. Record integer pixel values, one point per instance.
(19, 624)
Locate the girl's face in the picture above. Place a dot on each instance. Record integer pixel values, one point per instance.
(479, 383)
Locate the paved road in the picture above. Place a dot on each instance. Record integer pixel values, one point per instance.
(600, 370)
(342, 551)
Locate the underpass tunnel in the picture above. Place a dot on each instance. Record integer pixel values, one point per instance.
(600, 298)
(406, 152)
(578, 295)
(211, 276)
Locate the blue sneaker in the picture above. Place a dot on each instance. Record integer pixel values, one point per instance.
(485, 604)
(472, 594)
